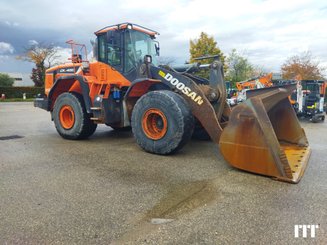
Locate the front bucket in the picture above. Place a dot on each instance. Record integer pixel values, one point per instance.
(264, 136)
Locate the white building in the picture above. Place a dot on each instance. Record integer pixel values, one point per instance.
(21, 79)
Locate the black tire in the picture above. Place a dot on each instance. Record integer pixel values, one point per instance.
(315, 119)
(177, 116)
(82, 126)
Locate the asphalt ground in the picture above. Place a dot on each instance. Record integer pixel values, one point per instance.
(106, 190)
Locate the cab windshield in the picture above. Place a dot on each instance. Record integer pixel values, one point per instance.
(312, 87)
(137, 45)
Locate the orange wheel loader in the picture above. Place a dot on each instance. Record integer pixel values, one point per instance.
(125, 88)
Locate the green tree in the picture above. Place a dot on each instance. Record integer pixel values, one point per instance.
(43, 56)
(205, 45)
(302, 66)
(239, 68)
(6, 80)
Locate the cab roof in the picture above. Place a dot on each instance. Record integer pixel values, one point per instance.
(127, 26)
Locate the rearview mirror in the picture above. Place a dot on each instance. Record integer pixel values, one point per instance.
(157, 47)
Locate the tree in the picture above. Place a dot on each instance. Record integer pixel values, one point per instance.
(43, 56)
(239, 68)
(6, 80)
(204, 46)
(38, 75)
(303, 66)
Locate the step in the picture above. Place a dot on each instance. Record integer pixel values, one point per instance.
(96, 108)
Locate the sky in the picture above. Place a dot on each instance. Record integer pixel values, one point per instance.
(266, 32)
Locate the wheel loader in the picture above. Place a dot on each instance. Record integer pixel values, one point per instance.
(124, 87)
(313, 100)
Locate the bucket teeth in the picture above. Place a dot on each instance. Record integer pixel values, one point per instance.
(287, 169)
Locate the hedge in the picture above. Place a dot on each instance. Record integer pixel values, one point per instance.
(17, 92)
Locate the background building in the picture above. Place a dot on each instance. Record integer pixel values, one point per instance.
(21, 79)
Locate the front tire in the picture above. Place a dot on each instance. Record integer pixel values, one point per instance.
(162, 122)
(70, 117)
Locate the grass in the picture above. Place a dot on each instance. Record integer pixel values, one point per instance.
(17, 100)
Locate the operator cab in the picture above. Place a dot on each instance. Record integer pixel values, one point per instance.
(313, 93)
(124, 47)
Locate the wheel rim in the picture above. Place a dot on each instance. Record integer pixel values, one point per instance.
(154, 124)
(67, 117)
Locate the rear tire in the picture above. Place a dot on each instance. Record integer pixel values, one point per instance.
(70, 117)
(162, 122)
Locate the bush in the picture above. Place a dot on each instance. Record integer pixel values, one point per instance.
(6, 80)
(17, 92)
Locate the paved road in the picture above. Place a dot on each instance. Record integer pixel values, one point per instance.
(107, 190)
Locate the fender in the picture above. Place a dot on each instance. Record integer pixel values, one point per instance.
(84, 86)
(138, 88)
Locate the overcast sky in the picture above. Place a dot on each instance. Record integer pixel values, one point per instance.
(265, 31)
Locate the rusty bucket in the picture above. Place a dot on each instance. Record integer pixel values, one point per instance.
(264, 136)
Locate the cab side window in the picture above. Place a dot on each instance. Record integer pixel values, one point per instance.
(102, 48)
(109, 50)
(114, 48)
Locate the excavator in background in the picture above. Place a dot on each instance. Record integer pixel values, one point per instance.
(311, 100)
(257, 82)
(124, 87)
(253, 83)
(308, 99)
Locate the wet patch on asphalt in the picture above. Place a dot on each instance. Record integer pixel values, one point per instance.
(11, 137)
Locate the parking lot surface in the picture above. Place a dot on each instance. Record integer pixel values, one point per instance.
(106, 190)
